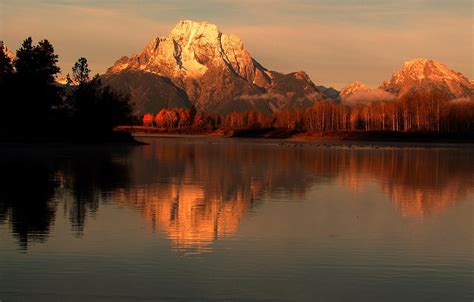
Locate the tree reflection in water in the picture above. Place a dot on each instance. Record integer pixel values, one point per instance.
(27, 188)
(33, 182)
(91, 177)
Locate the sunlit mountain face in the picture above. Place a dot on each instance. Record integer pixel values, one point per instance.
(198, 65)
(198, 191)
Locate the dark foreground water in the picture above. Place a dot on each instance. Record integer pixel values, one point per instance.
(211, 220)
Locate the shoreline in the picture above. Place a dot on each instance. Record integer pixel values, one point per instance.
(339, 138)
(323, 143)
(132, 135)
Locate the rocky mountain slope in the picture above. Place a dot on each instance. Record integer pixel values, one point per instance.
(214, 70)
(419, 78)
(9, 53)
(352, 88)
(143, 88)
(428, 76)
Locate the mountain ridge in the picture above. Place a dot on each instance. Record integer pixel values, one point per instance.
(417, 77)
(214, 68)
(217, 74)
(7, 51)
(428, 75)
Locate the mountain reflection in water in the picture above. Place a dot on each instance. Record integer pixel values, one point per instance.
(198, 191)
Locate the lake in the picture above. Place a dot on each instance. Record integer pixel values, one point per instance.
(205, 219)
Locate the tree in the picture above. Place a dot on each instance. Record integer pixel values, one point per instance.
(184, 118)
(88, 109)
(81, 71)
(166, 118)
(6, 90)
(47, 60)
(37, 62)
(69, 81)
(36, 95)
(148, 120)
(97, 109)
(25, 63)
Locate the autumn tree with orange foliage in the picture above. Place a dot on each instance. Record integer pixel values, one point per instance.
(148, 120)
(166, 118)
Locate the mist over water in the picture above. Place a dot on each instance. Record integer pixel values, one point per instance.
(224, 219)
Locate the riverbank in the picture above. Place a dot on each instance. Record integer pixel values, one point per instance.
(285, 134)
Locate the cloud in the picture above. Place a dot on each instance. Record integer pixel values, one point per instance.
(310, 98)
(268, 96)
(367, 97)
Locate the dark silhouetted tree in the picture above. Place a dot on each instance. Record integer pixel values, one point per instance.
(81, 71)
(96, 109)
(36, 94)
(6, 90)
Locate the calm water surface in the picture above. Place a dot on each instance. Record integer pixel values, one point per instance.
(242, 220)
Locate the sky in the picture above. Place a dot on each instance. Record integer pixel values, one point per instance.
(334, 41)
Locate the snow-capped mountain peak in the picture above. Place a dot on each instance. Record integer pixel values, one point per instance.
(353, 87)
(189, 51)
(216, 72)
(9, 53)
(428, 75)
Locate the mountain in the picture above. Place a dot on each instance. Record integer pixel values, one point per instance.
(5, 49)
(329, 92)
(422, 76)
(148, 92)
(417, 78)
(352, 88)
(214, 70)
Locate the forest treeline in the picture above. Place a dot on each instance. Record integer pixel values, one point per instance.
(411, 113)
(34, 105)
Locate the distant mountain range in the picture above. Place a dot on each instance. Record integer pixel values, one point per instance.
(419, 77)
(197, 64)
